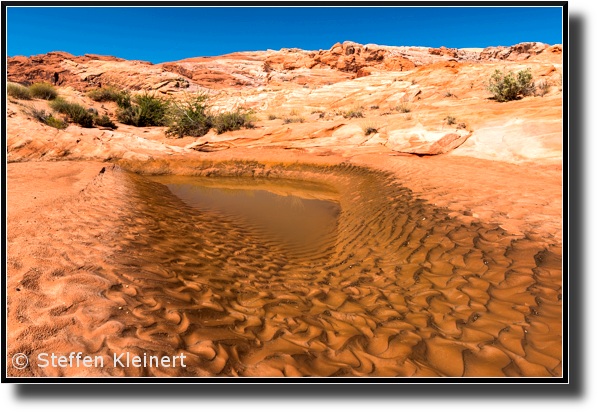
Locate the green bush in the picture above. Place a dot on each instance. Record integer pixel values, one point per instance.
(76, 113)
(43, 90)
(104, 121)
(507, 87)
(189, 117)
(60, 105)
(105, 94)
(123, 99)
(17, 91)
(56, 122)
(232, 121)
(142, 110)
(192, 117)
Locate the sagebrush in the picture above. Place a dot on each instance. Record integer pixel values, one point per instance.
(76, 113)
(18, 91)
(43, 90)
(509, 86)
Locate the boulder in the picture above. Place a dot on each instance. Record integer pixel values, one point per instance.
(426, 142)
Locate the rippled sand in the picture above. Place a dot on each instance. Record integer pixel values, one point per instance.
(402, 290)
(298, 218)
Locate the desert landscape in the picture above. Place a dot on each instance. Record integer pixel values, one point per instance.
(361, 211)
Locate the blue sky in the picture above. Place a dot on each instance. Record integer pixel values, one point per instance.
(161, 34)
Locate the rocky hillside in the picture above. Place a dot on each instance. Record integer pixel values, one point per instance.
(413, 100)
(253, 69)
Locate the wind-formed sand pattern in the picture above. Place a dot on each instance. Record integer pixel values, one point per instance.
(399, 289)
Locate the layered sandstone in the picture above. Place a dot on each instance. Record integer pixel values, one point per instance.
(320, 86)
(341, 62)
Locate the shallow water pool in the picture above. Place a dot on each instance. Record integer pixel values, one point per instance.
(296, 217)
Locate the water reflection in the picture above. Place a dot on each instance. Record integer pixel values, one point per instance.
(299, 218)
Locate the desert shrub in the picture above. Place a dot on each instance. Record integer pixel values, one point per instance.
(356, 112)
(450, 120)
(543, 88)
(43, 90)
(56, 122)
(104, 121)
(105, 94)
(36, 113)
(374, 107)
(79, 115)
(448, 94)
(76, 113)
(60, 105)
(18, 91)
(272, 116)
(189, 117)
(291, 119)
(129, 115)
(232, 121)
(123, 99)
(408, 117)
(461, 125)
(142, 110)
(369, 129)
(561, 81)
(507, 87)
(403, 108)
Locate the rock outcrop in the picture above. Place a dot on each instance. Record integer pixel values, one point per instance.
(49, 68)
(343, 61)
(521, 51)
(404, 93)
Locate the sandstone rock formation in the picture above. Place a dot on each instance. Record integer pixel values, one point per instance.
(320, 86)
(343, 61)
(49, 68)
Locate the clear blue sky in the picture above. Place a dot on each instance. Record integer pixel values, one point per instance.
(160, 34)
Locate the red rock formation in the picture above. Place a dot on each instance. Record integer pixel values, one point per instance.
(443, 51)
(243, 70)
(521, 51)
(49, 68)
(366, 71)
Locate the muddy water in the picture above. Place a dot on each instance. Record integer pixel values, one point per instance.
(295, 217)
(395, 288)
